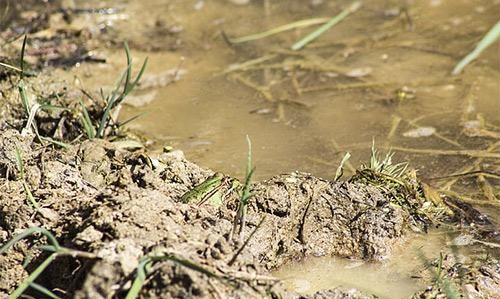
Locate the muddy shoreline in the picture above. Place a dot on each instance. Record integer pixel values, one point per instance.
(117, 204)
(114, 204)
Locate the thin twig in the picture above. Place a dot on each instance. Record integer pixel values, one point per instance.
(469, 153)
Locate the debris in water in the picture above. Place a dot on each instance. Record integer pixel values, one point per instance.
(420, 132)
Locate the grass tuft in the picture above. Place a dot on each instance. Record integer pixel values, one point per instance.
(56, 250)
(124, 86)
(87, 122)
(401, 187)
(383, 164)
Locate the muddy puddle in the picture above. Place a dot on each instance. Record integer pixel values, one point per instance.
(381, 76)
(303, 111)
(400, 277)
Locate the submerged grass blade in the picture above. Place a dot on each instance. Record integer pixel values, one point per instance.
(490, 37)
(279, 29)
(333, 21)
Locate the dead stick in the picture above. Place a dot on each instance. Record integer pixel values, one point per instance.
(470, 153)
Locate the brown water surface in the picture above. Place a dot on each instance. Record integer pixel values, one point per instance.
(208, 113)
(395, 278)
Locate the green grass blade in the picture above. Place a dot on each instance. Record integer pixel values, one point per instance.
(139, 76)
(44, 291)
(23, 48)
(129, 69)
(28, 232)
(139, 280)
(489, 38)
(116, 97)
(87, 122)
(248, 176)
(30, 197)
(111, 102)
(24, 97)
(29, 280)
(20, 164)
(279, 29)
(49, 107)
(148, 260)
(56, 142)
(333, 21)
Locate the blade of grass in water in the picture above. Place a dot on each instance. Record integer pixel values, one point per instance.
(333, 21)
(485, 42)
(279, 29)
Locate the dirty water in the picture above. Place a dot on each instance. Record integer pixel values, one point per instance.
(399, 277)
(207, 114)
